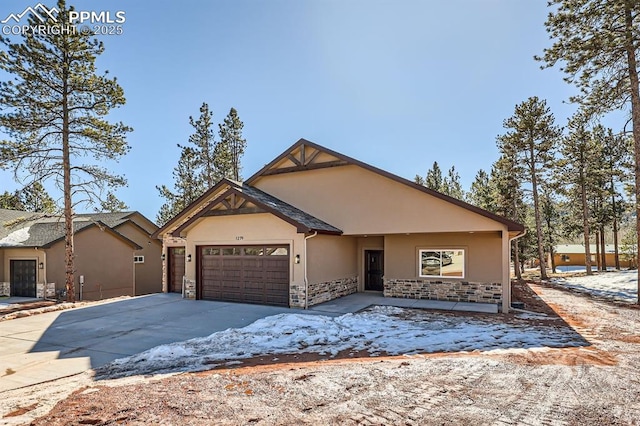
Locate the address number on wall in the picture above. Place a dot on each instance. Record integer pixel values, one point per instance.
(239, 238)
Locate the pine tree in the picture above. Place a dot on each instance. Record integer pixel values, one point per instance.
(578, 174)
(229, 151)
(598, 44)
(32, 198)
(112, 204)
(531, 138)
(54, 110)
(187, 182)
(434, 178)
(451, 185)
(203, 140)
(480, 194)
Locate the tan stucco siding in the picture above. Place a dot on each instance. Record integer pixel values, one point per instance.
(105, 261)
(331, 258)
(359, 201)
(483, 258)
(23, 254)
(248, 229)
(149, 273)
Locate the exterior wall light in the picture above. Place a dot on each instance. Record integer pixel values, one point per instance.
(188, 258)
(297, 259)
(41, 265)
(163, 257)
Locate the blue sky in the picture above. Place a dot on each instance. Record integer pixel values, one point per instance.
(398, 84)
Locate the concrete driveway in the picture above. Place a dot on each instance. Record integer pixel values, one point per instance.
(58, 344)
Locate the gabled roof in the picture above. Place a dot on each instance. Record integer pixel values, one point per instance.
(296, 155)
(242, 193)
(27, 229)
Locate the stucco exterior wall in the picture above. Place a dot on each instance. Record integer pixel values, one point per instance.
(23, 254)
(331, 258)
(149, 273)
(105, 262)
(370, 203)
(483, 255)
(260, 228)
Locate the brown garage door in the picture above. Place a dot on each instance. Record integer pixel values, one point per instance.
(249, 274)
(176, 269)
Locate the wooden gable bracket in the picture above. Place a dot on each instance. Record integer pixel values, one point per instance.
(303, 161)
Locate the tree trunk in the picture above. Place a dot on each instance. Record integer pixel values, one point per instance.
(68, 206)
(635, 111)
(553, 260)
(536, 207)
(616, 253)
(516, 260)
(599, 266)
(585, 224)
(603, 249)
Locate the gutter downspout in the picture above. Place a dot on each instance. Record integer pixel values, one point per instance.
(306, 280)
(510, 241)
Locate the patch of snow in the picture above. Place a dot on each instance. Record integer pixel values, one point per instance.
(618, 285)
(16, 238)
(378, 330)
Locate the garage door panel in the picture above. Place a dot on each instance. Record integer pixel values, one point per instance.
(250, 274)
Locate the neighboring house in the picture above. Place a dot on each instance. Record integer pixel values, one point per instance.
(314, 225)
(573, 255)
(114, 254)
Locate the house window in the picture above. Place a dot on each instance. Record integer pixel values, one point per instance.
(441, 263)
(138, 259)
(565, 258)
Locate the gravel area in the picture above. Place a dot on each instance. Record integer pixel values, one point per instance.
(596, 384)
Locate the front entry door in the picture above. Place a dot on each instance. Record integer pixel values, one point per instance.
(373, 270)
(23, 278)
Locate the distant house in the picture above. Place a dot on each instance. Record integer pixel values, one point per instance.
(114, 254)
(314, 225)
(574, 255)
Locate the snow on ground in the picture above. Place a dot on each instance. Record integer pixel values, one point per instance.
(379, 330)
(15, 238)
(618, 285)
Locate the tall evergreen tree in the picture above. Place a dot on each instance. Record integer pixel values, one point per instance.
(203, 140)
(54, 111)
(531, 138)
(434, 178)
(451, 185)
(187, 182)
(32, 198)
(578, 174)
(112, 204)
(481, 194)
(230, 149)
(598, 44)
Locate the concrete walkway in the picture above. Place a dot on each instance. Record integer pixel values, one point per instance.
(5, 302)
(57, 344)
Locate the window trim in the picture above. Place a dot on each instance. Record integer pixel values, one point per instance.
(138, 259)
(442, 249)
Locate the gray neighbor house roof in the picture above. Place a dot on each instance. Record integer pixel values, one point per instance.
(27, 229)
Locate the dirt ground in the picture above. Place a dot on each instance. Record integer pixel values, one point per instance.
(598, 385)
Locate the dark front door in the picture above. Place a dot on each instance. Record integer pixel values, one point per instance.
(373, 270)
(176, 269)
(23, 278)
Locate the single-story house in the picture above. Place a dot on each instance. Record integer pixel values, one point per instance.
(314, 224)
(114, 255)
(574, 255)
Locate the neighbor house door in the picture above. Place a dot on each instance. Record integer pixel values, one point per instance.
(373, 270)
(176, 269)
(23, 278)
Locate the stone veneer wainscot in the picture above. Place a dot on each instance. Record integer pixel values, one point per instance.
(322, 292)
(452, 291)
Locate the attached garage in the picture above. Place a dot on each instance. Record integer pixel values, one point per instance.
(248, 274)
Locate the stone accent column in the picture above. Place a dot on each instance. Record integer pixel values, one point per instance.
(189, 289)
(5, 289)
